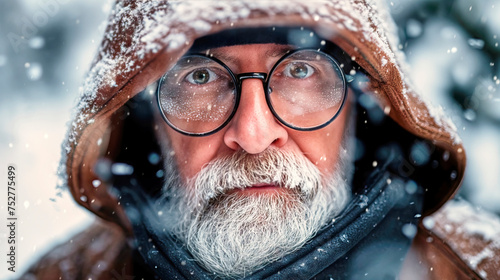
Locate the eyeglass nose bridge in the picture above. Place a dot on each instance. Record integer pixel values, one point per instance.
(252, 75)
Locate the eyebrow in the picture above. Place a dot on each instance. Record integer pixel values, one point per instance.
(281, 51)
(274, 53)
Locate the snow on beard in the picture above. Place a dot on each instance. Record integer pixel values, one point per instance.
(231, 233)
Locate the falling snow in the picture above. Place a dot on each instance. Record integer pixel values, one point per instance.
(49, 101)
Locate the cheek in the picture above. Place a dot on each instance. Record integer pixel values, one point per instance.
(322, 147)
(192, 153)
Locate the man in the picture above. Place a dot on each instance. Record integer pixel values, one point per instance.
(264, 139)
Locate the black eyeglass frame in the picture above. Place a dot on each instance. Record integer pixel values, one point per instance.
(238, 80)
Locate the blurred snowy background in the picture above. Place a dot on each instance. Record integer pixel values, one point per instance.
(453, 49)
(46, 47)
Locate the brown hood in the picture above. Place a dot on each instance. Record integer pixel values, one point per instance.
(144, 38)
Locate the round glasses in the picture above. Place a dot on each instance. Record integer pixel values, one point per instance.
(305, 90)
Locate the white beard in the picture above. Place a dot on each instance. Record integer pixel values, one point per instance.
(233, 234)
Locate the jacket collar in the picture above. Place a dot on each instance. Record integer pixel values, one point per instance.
(377, 208)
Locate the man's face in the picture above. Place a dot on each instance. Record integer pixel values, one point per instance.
(255, 190)
(254, 129)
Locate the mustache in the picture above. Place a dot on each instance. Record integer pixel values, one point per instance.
(242, 170)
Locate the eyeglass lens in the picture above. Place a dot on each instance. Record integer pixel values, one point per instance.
(305, 89)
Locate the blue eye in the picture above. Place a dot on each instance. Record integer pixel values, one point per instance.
(298, 70)
(201, 76)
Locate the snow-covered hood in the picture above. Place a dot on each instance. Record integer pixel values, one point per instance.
(144, 38)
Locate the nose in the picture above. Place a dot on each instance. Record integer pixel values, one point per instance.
(253, 127)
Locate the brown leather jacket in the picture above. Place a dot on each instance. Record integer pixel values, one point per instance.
(144, 38)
